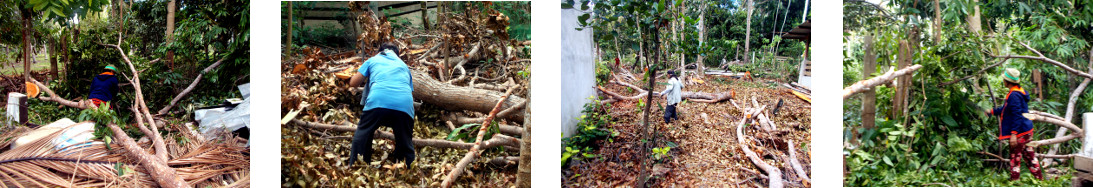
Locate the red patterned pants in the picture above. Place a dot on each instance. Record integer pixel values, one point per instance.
(1021, 151)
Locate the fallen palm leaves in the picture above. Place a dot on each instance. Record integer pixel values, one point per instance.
(201, 163)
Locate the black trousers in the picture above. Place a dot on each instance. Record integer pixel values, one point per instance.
(400, 122)
(670, 113)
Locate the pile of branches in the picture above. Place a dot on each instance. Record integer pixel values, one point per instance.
(466, 72)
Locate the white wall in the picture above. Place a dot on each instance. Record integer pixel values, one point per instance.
(578, 69)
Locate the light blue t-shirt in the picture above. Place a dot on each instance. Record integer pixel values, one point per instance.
(389, 82)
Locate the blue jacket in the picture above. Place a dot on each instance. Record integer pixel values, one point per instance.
(390, 85)
(104, 86)
(1012, 123)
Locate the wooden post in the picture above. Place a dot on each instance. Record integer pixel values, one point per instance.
(869, 98)
(17, 108)
(425, 15)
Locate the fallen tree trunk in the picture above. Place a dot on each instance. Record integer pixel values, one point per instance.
(775, 179)
(887, 77)
(1078, 132)
(189, 88)
(458, 98)
(161, 152)
(498, 140)
(164, 175)
(474, 152)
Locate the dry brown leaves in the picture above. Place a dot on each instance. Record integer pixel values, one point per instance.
(316, 158)
(707, 154)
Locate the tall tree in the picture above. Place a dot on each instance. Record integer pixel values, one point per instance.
(171, 31)
(747, 34)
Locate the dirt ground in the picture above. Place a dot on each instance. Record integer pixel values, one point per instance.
(708, 154)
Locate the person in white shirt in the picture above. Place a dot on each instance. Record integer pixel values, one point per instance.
(673, 93)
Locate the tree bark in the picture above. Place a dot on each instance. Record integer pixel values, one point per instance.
(747, 33)
(875, 81)
(52, 58)
(189, 88)
(288, 46)
(425, 15)
(974, 23)
(869, 111)
(937, 22)
(451, 97)
(164, 175)
(523, 173)
(171, 31)
(26, 45)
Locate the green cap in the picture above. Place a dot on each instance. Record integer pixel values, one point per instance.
(111, 67)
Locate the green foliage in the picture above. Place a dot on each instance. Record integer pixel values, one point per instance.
(938, 140)
(471, 132)
(603, 72)
(661, 152)
(591, 129)
(102, 116)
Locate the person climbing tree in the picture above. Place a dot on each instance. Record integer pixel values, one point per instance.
(104, 87)
(1015, 127)
(672, 92)
(388, 101)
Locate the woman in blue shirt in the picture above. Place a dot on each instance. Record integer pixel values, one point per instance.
(389, 102)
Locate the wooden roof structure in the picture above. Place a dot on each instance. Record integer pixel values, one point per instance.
(801, 32)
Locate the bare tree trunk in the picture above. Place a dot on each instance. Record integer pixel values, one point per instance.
(702, 41)
(288, 46)
(26, 45)
(747, 33)
(52, 58)
(523, 172)
(937, 21)
(869, 99)
(974, 22)
(171, 31)
(425, 15)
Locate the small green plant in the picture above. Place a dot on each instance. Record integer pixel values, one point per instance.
(661, 152)
(101, 116)
(590, 128)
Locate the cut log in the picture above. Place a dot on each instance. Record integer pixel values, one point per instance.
(164, 175)
(457, 98)
(863, 85)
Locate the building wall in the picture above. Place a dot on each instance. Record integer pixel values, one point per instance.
(578, 70)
